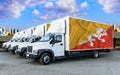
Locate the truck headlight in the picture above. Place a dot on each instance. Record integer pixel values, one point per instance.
(34, 52)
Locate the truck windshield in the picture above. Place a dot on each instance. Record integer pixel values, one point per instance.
(12, 40)
(31, 39)
(25, 39)
(47, 38)
(20, 40)
(34, 39)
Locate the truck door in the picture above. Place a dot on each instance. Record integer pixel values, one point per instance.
(58, 46)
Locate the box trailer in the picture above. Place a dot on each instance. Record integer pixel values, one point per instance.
(70, 36)
(38, 32)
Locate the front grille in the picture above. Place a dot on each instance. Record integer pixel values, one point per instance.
(5, 45)
(9, 46)
(29, 48)
(16, 46)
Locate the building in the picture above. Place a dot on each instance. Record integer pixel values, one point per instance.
(6, 35)
(9, 32)
(116, 28)
(2, 30)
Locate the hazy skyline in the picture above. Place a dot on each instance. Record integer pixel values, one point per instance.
(24, 14)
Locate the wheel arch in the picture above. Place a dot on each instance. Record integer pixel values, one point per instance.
(24, 49)
(41, 51)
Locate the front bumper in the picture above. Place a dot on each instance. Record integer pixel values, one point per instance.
(7, 47)
(3, 47)
(32, 56)
(18, 52)
(13, 48)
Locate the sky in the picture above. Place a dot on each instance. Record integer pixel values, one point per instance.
(23, 14)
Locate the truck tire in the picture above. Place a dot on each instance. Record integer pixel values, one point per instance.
(45, 58)
(25, 54)
(21, 55)
(95, 54)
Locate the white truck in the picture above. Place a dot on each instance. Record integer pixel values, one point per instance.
(24, 36)
(6, 45)
(38, 32)
(70, 36)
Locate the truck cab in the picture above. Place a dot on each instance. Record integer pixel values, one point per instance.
(14, 45)
(22, 47)
(38, 32)
(49, 47)
(6, 44)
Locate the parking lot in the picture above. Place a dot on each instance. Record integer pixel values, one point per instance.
(107, 64)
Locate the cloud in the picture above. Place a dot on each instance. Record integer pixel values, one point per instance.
(49, 5)
(36, 12)
(110, 6)
(60, 8)
(51, 9)
(45, 17)
(84, 5)
(13, 8)
(67, 5)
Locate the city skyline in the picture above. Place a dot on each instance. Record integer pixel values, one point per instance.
(28, 13)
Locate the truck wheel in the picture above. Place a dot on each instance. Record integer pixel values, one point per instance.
(45, 58)
(21, 55)
(95, 54)
(25, 54)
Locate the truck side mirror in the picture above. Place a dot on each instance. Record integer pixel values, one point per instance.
(52, 41)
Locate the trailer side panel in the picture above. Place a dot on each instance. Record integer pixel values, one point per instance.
(88, 35)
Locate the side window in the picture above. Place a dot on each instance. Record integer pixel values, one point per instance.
(22, 40)
(16, 40)
(26, 39)
(36, 39)
(58, 38)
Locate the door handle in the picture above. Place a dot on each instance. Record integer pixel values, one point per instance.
(61, 44)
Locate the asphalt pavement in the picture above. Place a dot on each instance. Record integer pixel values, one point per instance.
(106, 64)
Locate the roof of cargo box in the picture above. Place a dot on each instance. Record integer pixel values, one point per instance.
(16, 35)
(28, 32)
(88, 20)
(58, 26)
(39, 30)
(19, 34)
(24, 33)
